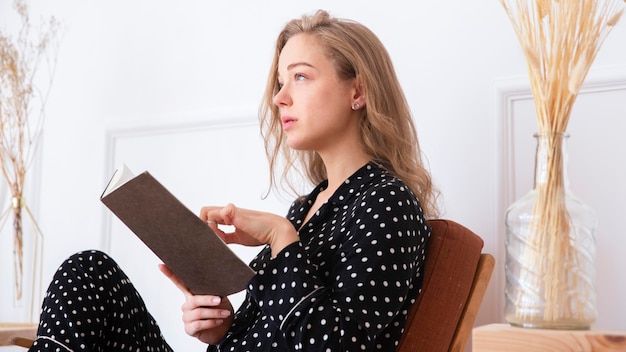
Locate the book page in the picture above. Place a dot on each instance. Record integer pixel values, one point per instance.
(120, 177)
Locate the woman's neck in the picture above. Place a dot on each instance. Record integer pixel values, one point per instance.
(340, 168)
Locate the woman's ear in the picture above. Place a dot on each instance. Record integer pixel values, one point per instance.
(358, 95)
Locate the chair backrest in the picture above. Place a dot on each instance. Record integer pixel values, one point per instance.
(456, 276)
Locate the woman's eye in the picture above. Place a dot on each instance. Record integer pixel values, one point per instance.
(299, 77)
(279, 85)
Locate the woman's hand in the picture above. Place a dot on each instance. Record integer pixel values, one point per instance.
(206, 317)
(251, 228)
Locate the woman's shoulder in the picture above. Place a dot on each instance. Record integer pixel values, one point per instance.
(387, 200)
(382, 181)
(382, 191)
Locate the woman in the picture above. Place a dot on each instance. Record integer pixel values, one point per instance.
(342, 270)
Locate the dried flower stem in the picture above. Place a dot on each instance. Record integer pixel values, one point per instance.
(560, 40)
(20, 127)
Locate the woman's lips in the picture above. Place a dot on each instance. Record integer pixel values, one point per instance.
(288, 121)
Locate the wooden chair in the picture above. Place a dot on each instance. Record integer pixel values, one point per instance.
(456, 276)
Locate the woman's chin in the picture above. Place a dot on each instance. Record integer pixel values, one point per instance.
(294, 144)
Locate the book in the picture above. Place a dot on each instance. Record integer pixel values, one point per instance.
(185, 243)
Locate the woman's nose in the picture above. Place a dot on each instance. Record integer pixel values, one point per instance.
(281, 98)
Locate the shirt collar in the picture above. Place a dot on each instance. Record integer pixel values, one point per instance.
(351, 187)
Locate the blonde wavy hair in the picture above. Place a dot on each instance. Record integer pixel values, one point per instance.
(388, 134)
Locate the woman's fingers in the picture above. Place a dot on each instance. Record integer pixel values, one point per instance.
(195, 301)
(249, 227)
(218, 215)
(204, 317)
(210, 215)
(198, 327)
(204, 313)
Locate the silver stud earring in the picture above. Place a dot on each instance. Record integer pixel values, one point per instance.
(355, 106)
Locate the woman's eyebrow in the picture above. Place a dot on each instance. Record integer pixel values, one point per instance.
(300, 63)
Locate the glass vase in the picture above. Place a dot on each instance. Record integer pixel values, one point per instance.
(550, 248)
(21, 254)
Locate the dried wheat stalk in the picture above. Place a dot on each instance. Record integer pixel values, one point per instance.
(560, 40)
(20, 126)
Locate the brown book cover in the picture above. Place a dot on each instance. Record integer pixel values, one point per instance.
(185, 243)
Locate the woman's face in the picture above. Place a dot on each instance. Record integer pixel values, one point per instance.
(314, 104)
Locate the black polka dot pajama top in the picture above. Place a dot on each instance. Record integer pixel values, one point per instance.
(349, 282)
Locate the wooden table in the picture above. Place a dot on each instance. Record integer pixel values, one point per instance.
(13, 334)
(504, 337)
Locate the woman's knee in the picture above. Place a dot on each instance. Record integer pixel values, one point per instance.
(88, 266)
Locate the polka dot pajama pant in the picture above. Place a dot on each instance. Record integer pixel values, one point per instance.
(91, 305)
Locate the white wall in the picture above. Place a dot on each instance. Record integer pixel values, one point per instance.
(136, 80)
